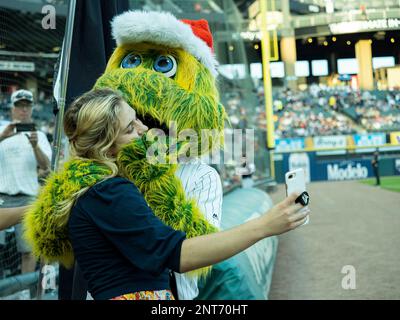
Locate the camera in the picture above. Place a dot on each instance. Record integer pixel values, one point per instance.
(25, 127)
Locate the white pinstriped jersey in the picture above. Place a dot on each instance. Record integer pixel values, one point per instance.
(202, 183)
(18, 165)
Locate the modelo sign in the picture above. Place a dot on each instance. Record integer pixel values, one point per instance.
(348, 170)
(325, 169)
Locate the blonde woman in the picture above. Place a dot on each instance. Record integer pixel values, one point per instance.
(124, 251)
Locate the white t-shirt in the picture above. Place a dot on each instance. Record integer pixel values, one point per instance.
(18, 165)
(202, 183)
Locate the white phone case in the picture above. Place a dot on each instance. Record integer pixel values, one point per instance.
(296, 182)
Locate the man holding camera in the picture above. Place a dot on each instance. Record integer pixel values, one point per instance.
(23, 151)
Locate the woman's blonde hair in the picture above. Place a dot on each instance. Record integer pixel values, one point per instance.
(92, 126)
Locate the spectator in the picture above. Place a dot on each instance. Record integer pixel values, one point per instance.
(21, 154)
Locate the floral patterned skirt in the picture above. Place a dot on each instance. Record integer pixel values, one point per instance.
(147, 295)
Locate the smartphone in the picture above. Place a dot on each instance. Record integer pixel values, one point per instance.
(24, 127)
(296, 182)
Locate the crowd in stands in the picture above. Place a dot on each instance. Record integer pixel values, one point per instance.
(309, 113)
(321, 110)
(371, 110)
(377, 112)
(314, 112)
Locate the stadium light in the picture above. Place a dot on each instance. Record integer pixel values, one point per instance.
(256, 47)
(392, 40)
(334, 39)
(310, 40)
(325, 43)
(348, 42)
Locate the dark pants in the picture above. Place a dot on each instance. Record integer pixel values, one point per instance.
(376, 173)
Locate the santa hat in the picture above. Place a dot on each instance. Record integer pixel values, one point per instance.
(165, 29)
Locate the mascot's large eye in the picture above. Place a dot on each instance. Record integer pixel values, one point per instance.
(166, 65)
(131, 61)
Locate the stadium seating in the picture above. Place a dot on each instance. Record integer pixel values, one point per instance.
(320, 111)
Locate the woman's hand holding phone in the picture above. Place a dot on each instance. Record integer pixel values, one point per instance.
(285, 216)
(295, 182)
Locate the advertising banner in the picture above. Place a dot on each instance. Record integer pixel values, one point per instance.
(395, 138)
(369, 140)
(344, 170)
(327, 142)
(289, 144)
(397, 166)
(23, 66)
(300, 161)
(330, 170)
(366, 140)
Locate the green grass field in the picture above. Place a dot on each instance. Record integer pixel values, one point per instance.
(389, 183)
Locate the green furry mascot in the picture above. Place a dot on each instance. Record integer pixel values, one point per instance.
(165, 69)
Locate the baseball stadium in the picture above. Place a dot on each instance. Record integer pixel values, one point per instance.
(309, 88)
